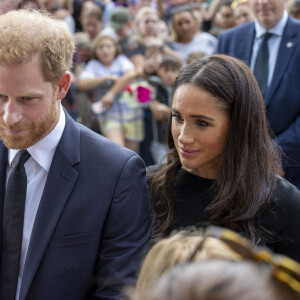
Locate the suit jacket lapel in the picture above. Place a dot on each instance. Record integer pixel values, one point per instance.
(244, 49)
(59, 185)
(287, 46)
(3, 165)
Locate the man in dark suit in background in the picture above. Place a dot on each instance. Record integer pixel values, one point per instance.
(77, 226)
(282, 89)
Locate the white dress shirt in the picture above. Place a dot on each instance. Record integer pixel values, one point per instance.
(37, 169)
(273, 43)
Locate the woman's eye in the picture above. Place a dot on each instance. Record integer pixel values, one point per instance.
(176, 117)
(202, 123)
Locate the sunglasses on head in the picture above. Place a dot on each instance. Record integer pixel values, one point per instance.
(284, 268)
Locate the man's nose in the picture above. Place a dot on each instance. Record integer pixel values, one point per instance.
(12, 113)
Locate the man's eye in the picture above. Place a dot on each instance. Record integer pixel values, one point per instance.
(27, 98)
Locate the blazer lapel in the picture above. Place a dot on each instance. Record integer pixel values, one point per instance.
(59, 185)
(245, 43)
(3, 165)
(287, 47)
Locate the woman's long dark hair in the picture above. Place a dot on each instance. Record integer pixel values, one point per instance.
(247, 174)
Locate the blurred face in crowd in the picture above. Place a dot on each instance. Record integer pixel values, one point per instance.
(49, 5)
(30, 4)
(168, 75)
(106, 51)
(125, 30)
(268, 12)
(184, 24)
(226, 17)
(163, 30)
(29, 105)
(199, 130)
(148, 25)
(6, 5)
(243, 14)
(92, 26)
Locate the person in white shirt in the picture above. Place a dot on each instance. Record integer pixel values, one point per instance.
(86, 207)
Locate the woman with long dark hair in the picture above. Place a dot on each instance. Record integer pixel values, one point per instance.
(222, 162)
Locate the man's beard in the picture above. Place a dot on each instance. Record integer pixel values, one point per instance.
(35, 131)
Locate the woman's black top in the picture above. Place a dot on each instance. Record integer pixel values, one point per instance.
(281, 217)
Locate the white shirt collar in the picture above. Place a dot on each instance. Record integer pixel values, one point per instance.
(276, 30)
(42, 152)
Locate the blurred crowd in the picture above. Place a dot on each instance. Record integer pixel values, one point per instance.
(128, 54)
(135, 61)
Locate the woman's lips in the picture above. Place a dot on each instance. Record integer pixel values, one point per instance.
(188, 152)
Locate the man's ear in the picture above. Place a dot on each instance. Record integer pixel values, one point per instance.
(63, 85)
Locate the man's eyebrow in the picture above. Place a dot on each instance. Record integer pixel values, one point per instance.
(196, 116)
(30, 94)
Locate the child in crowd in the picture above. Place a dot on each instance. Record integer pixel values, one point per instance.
(242, 12)
(118, 121)
(167, 71)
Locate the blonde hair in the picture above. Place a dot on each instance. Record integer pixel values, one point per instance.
(220, 280)
(178, 249)
(25, 33)
(139, 16)
(174, 35)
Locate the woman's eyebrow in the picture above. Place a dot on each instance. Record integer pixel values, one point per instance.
(195, 116)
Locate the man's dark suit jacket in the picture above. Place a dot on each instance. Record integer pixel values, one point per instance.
(282, 100)
(92, 222)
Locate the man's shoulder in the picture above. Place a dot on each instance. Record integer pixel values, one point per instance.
(93, 140)
(237, 30)
(91, 147)
(293, 25)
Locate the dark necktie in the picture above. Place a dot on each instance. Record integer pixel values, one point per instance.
(12, 227)
(261, 67)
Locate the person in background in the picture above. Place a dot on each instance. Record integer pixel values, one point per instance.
(195, 55)
(242, 12)
(120, 27)
(28, 4)
(185, 35)
(275, 66)
(222, 163)
(61, 10)
(224, 18)
(167, 71)
(118, 121)
(293, 8)
(83, 53)
(8, 5)
(75, 211)
(91, 19)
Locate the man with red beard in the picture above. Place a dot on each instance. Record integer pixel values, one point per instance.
(86, 211)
